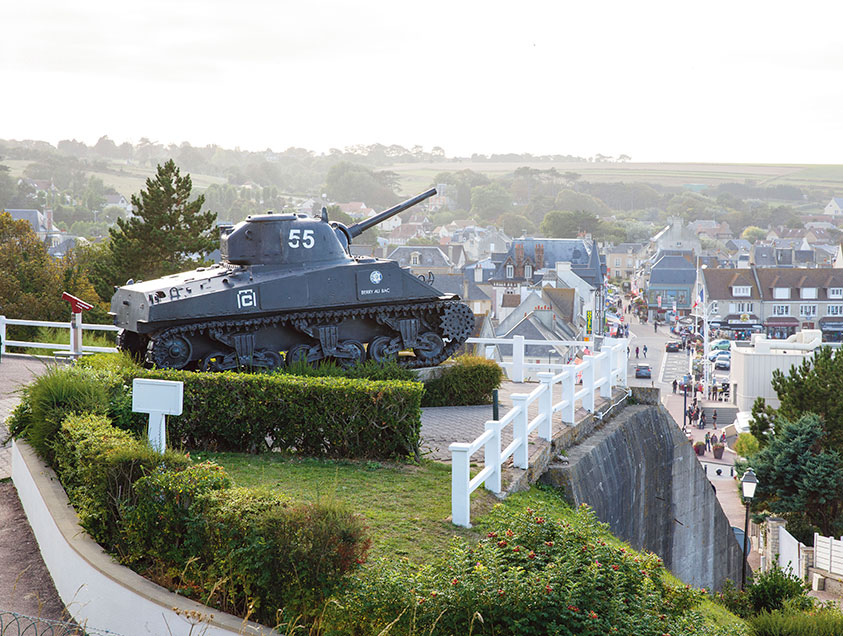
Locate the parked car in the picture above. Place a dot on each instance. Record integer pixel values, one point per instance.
(715, 355)
(643, 371)
(723, 364)
(722, 344)
(672, 346)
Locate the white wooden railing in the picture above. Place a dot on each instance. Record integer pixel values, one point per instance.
(597, 372)
(74, 345)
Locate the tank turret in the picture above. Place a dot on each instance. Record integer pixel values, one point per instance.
(288, 289)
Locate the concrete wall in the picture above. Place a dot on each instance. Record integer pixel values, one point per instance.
(641, 476)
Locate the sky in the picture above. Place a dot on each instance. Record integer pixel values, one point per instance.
(738, 81)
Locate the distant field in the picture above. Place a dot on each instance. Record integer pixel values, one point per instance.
(416, 177)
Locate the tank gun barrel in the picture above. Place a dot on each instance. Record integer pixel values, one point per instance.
(358, 228)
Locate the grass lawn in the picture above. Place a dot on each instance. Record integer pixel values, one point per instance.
(407, 507)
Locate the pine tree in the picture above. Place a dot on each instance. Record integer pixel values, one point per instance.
(168, 232)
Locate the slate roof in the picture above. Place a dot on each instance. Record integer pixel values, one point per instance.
(429, 256)
(454, 284)
(738, 244)
(562, 299)
(763, 256)
(822, 279)
(584, 258)
(672, 270)
(34, 217)
(531, 329)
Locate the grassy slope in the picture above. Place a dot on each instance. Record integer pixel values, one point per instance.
(407, 507)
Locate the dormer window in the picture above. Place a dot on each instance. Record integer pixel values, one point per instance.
(528, 272)
(415, 258)
(835, 292)
(510, 271)
(781, 293)
(808, 292)
(741, 290)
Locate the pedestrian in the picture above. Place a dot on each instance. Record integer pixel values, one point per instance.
(636, 352)
(723, 438)
(655, 325)
(702, 420)
(707, 442)
(675, 384)
(714, 418)
(627, 352)
(645, 351)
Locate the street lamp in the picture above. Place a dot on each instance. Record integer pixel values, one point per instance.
(748, 483)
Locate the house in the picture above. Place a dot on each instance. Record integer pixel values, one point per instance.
(732, 300)
(675, 236)
(356, 209)
(762, 256)
(119, 201)
(41, 223)
(671, 287)
(402, 234)
(463, 285)
(623, 260)
(423, 259)
(738, 244)
(835, 207)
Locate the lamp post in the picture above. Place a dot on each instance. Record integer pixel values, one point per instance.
(748, 483)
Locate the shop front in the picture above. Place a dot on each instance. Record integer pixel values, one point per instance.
(781, 328)
(741, 326)
(832, 329)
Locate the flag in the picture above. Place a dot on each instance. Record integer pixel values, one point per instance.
(701, 298)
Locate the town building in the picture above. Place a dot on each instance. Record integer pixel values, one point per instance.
(670, 289)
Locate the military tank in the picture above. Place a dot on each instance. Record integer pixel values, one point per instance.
(288, 289)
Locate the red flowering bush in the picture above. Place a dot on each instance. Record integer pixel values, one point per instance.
(562, 579)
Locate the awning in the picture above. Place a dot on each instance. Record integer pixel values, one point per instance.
(831, 325)
(740, 321)
(782, 322)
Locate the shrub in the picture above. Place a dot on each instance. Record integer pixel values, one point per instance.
(470, 380)
(530, 575)
(51, 397)
(827, 621)
(770, 590)
(746, 445)
(98, 465)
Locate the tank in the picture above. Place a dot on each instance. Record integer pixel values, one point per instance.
(287, 289)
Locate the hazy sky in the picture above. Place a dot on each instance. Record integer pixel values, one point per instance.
(659, 81)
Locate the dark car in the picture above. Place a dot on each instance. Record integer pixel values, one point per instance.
(643, 371)
(672, 346)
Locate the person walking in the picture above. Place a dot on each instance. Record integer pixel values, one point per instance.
(675, 384)
(702, 420)
(645, 351)
(723, 438)
(636, 352)
(707, 442)
(714, 419)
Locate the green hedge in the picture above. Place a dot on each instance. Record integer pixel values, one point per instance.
(246, 551)
(468, 381)
(242, 412)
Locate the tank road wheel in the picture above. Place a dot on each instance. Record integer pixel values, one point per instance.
(267, 360)
(379, 349)
(133, 343)
(171, 352)
(355, 353)
(213, 362)
(298, 353)
(430, 346)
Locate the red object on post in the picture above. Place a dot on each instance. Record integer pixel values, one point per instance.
(77, 305)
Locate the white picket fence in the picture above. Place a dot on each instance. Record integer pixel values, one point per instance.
(599, 372)
(74, 345)
(828, 554)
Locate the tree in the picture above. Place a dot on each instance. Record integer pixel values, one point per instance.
(516, 225)
(815, 386)
(488, 202)
(762, 422)
(168, 232)
(754, 233)
(571, 200)
(567, 224)
(349, 182)
(797, 475)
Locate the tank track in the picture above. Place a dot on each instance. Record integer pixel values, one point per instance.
(454, 321)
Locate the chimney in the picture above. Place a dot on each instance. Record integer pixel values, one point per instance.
(519, 254)
(539, 255)
(48, 213)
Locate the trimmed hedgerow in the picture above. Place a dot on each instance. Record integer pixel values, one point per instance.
(247, 551)
(98, 464)
(469, 381)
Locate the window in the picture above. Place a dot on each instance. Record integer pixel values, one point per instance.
(807, 310)
(808, 292)
(781, 293)
(741, 290)
(617, 261)
(510, 271)
(835, 310)
(835, 292)
(528, 271)
(781, 310)
(741, 308)
(415, 258)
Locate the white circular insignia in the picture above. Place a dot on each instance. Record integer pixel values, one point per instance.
(376, 277)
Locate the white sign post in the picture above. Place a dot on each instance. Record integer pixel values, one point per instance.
(158, 398)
